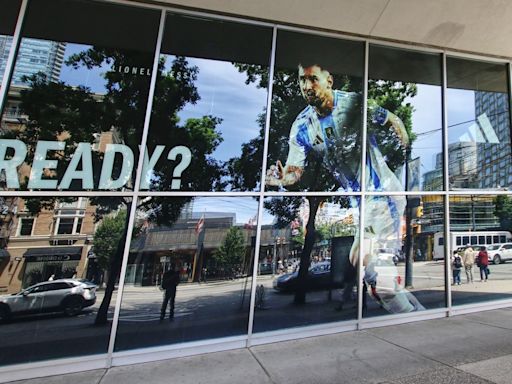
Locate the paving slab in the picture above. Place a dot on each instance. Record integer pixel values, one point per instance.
(442, 376)
(355, 357)
(451, 341)
(498, 317)
(498, 370)
(229, 367)
(87, 377)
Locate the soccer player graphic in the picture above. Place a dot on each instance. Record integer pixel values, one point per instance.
(328, 129)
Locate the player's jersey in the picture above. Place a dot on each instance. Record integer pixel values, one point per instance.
(334, 138)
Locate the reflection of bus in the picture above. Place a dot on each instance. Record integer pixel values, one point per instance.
(475, 238)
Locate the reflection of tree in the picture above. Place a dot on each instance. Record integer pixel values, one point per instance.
(503, 210)
(107, 236)
(287, 102)
(59, 112)
(232, 250)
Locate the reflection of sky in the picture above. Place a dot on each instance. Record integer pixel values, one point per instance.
(461, 109)
(426, 124)
(91, 78)
(245, 208)
(224, 94)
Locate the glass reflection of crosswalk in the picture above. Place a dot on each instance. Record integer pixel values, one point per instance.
(150, 316)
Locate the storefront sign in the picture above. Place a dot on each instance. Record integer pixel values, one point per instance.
(46, 258)
(139, 71)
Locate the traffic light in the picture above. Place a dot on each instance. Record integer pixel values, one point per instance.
(419, 211)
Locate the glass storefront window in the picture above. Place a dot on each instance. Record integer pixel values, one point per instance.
(316, 121)
(8, 18)
(307, 271)
(189, 273)
(54, 284)
(75, 107)
(481, 243)
(401, 273)
(207, 123)
(478, 125)
(404, 148)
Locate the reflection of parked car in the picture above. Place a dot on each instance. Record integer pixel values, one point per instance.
(498, 253)
(319, 277)
(386, 256)
(67, 295)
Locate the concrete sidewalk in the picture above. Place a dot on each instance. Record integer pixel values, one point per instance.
(474, 348)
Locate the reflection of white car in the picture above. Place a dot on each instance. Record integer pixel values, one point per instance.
(67, 295)
(386, 256)
(499, 253)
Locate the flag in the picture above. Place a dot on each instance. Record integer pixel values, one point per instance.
(200, 225)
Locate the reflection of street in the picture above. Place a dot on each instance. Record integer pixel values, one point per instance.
(220, 309)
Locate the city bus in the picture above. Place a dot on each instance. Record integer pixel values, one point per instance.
(475, 238)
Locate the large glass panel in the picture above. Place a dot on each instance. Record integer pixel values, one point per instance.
(77, 99)
(8, 18)
(404, 121)
(189, 271)
(315, 129)
(401, 274)
(307, 268)
(478, 125)
(481, 243)
(55, 285)
(206, 131)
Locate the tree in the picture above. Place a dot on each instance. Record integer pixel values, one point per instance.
(58, 112)
(503, 210)
(232, 250)
(287, 102)
(107, 236)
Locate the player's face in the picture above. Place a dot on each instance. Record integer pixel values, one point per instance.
(315, 84)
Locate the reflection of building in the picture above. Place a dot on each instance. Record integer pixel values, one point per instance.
(34, 56)
(495, 166)
(54, 242)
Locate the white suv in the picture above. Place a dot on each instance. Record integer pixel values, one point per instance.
(65, 295)
(498, 253)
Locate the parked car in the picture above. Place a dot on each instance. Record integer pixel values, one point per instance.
(386, 256)
(64, 295)
(319, 277)
(499, 253)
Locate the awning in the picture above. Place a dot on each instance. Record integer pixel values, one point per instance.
(4, 254)
(53, 254)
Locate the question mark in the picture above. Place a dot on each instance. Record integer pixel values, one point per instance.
(186, 158)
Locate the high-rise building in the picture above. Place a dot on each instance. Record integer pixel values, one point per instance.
(494, 155)
(34, 56)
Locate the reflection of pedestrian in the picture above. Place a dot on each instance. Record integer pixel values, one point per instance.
(456, 268)
(203, 274)
(468, 260)
(170, 281)
(483, 263)
(51, 278)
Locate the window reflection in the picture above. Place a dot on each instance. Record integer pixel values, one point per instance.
(481, 243)
(478, 125)
(195, 253)
(59, 263)
(401, 271)
(408, 84)
(306, 274)
(76, 103)
(207, 120)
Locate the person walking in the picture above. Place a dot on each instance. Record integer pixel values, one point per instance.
(170, 281)
(483, 263)
(456, 267)
(468, 260)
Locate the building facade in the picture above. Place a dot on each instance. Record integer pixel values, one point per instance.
(299, 180)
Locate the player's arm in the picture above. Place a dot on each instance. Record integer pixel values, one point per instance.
(384, 117)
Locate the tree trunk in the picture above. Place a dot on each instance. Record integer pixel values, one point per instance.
(113, 274)
(305, 257)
